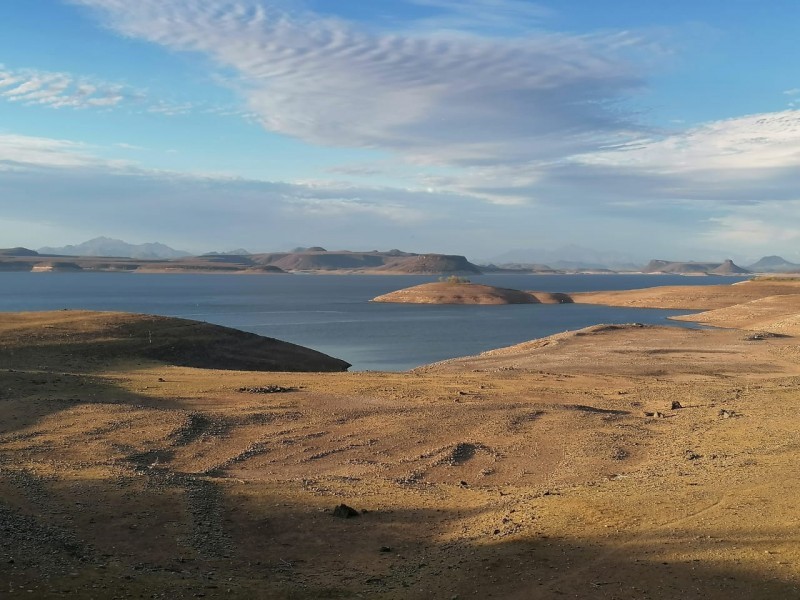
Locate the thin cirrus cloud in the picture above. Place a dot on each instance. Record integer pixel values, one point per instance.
(500, 15)
(434, 98)
(21, 152)
(29, 165)
(60, 90)
(67, 90)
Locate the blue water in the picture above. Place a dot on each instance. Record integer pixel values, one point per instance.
(332, 313)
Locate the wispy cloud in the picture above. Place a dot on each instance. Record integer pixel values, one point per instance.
(436, 98)
(482, 15)
(62, 90)
(745, 147)
(19, 151)
(34, 87)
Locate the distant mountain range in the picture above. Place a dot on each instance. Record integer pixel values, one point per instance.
(136, 257)
(103, 246)
(308, 261)
(774, 264)
(699, 268)
(569, 258)
(768, 264)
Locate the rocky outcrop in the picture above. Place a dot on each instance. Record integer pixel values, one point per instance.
(729, 268)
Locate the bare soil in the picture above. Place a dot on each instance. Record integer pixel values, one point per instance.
(621, 462)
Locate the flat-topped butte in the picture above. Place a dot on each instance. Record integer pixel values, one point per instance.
(446, 292)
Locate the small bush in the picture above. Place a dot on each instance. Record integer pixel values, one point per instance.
(454, 279)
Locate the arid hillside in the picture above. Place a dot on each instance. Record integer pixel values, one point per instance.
(615, 462)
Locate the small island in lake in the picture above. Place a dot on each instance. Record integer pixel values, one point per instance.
(459, 291)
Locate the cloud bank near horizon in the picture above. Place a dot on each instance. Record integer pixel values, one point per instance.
(142, 204)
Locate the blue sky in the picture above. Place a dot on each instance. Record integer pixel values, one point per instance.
(477, 127)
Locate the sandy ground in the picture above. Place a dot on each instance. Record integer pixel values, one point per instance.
(553, 469)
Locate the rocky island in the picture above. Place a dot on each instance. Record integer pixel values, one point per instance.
(457, 291)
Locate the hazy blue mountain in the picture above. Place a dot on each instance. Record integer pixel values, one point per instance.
(237, 252)
(774, 264)
(18, 251)
(567, 257)
(103, 246)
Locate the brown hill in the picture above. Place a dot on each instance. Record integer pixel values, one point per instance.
(312, 260)
(75, 339)
(552, 297)
(457, 293)
(432, 264)
(393, 261)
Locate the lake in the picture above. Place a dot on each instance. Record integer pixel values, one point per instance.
(333, 313)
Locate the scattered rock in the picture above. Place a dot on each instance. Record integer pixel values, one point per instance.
(619, 454)
(385, 549)
(691, 455)
(763, 335)
(676, 405)
(266, 389)
(345, 512)
(461, 453)
(727, 414)
(656, 414)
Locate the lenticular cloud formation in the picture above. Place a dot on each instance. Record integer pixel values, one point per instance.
(438, 97)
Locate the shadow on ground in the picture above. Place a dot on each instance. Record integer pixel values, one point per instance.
(148, 532)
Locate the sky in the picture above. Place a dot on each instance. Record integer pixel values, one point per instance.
(486, 128)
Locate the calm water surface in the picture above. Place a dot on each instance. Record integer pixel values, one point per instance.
(332, 313)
